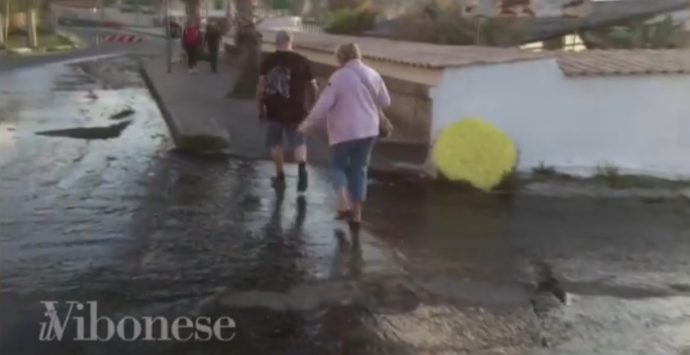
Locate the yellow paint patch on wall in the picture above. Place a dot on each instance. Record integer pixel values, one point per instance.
(475, 152)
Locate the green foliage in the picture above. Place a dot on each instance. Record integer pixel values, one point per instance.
(610, 174)
(544, 172)
(503, 31)
(44, 41)
(442, 22)
(352, 21)
(447, 30)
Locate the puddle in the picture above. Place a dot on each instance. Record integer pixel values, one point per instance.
(108, 132)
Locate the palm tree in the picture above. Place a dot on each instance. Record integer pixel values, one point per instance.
(248, 41)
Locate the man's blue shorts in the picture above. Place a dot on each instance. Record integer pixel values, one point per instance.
(275, 131)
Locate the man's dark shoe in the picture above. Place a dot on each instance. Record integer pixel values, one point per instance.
(303, 178)
(278, 181)
(355, 227)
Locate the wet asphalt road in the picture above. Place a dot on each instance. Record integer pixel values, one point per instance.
(144, 230)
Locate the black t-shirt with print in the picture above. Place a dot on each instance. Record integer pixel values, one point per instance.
(287, 75)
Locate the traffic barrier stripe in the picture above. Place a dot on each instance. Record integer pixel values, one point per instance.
(119, 38)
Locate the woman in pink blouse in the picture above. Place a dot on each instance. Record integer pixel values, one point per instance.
(350, 107)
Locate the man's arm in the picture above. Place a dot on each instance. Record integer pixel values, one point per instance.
(312, 93)
(260, 88)
(324, 104)
(312, 86)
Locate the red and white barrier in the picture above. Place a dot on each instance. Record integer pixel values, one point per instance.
(121, 38)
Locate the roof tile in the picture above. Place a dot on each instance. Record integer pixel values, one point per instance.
(413, 53)
(625, 62)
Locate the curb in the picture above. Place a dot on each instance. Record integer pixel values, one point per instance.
(167, 115)
(19, 51)
(183, 141)
(143, 33)
(74, 40)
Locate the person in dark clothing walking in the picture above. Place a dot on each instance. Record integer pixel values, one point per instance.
(286, 91)
(191, 41)
(212, 39)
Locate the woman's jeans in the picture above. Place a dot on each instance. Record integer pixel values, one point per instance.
(349, 163)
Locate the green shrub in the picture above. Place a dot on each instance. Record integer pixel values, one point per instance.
(352, 21)
(450, 28)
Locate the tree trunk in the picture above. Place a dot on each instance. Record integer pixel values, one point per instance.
(2, 31)
(7, 18)
(303, 7)
(191, 8)
(31, 28)
(248, 41)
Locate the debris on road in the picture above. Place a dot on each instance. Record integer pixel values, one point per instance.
(112, 131)
(122, 114)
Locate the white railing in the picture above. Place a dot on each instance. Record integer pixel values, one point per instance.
(291, 23)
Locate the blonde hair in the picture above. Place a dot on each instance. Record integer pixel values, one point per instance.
(348, 52)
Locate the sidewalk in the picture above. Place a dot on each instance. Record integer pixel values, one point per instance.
(197, 109)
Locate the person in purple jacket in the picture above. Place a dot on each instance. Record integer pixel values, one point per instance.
(350, 107)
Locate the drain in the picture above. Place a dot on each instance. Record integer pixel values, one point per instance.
(108, 132)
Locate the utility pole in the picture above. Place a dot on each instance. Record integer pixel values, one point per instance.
(137, 6)
(168, 38)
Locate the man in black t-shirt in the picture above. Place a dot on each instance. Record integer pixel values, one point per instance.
(285, 93)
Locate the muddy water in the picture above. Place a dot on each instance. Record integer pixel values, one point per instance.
(115, 216)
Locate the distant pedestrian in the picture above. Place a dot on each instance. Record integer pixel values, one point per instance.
(192, 41)
(285, 93)
(350, 105)
(212, 39)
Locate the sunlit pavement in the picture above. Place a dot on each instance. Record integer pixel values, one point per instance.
(116, 216)
(91, 47)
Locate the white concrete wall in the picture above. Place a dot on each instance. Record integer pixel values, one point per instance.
(639, 123)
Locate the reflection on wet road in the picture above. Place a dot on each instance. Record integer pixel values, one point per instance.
(98, 207)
